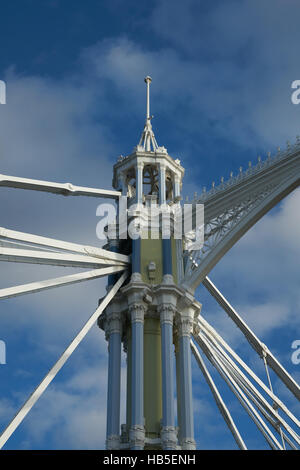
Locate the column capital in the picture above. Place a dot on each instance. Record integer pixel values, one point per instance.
(177, 177)
(189, 310)
(113, 323)
(162, 165)
(137, 312)
(140, 165)
(185, 324)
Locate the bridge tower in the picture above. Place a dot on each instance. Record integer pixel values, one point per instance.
(152, 315)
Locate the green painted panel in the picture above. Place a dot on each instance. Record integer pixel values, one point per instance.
(151, 250)
(152, 377)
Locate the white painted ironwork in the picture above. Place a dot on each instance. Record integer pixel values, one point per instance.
(235, 206)
(147, 141)
(48, 243)
(253, 340)
(222, 346)
(50, 258)
(39, 286)
(66, 189)
(261, 425)
(218, 399)
(59, 364)
(208, 339)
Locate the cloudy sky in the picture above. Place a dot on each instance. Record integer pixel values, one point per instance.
(221, 96)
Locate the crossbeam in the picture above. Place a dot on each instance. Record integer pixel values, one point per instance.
(66, 189)
(17, 420)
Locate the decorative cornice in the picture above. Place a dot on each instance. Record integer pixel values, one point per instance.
(270, 163)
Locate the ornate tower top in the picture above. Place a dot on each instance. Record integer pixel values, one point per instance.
(148, 172)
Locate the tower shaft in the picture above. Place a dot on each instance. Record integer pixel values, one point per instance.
(155, 314)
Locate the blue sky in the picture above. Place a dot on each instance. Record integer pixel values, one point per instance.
(222, 74)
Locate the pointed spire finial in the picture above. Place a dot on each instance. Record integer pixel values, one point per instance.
(147, 141)
(148, 80)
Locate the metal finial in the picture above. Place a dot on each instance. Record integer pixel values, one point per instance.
(148, 80)
(147, 140)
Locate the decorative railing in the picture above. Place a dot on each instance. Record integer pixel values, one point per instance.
(250, 171)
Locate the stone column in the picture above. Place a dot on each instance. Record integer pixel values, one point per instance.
(139, 182)
(162, 183)
(137, 429)
(176, 186)
(113, 331)
(168, 431)
(184, 329)
(177, 360)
